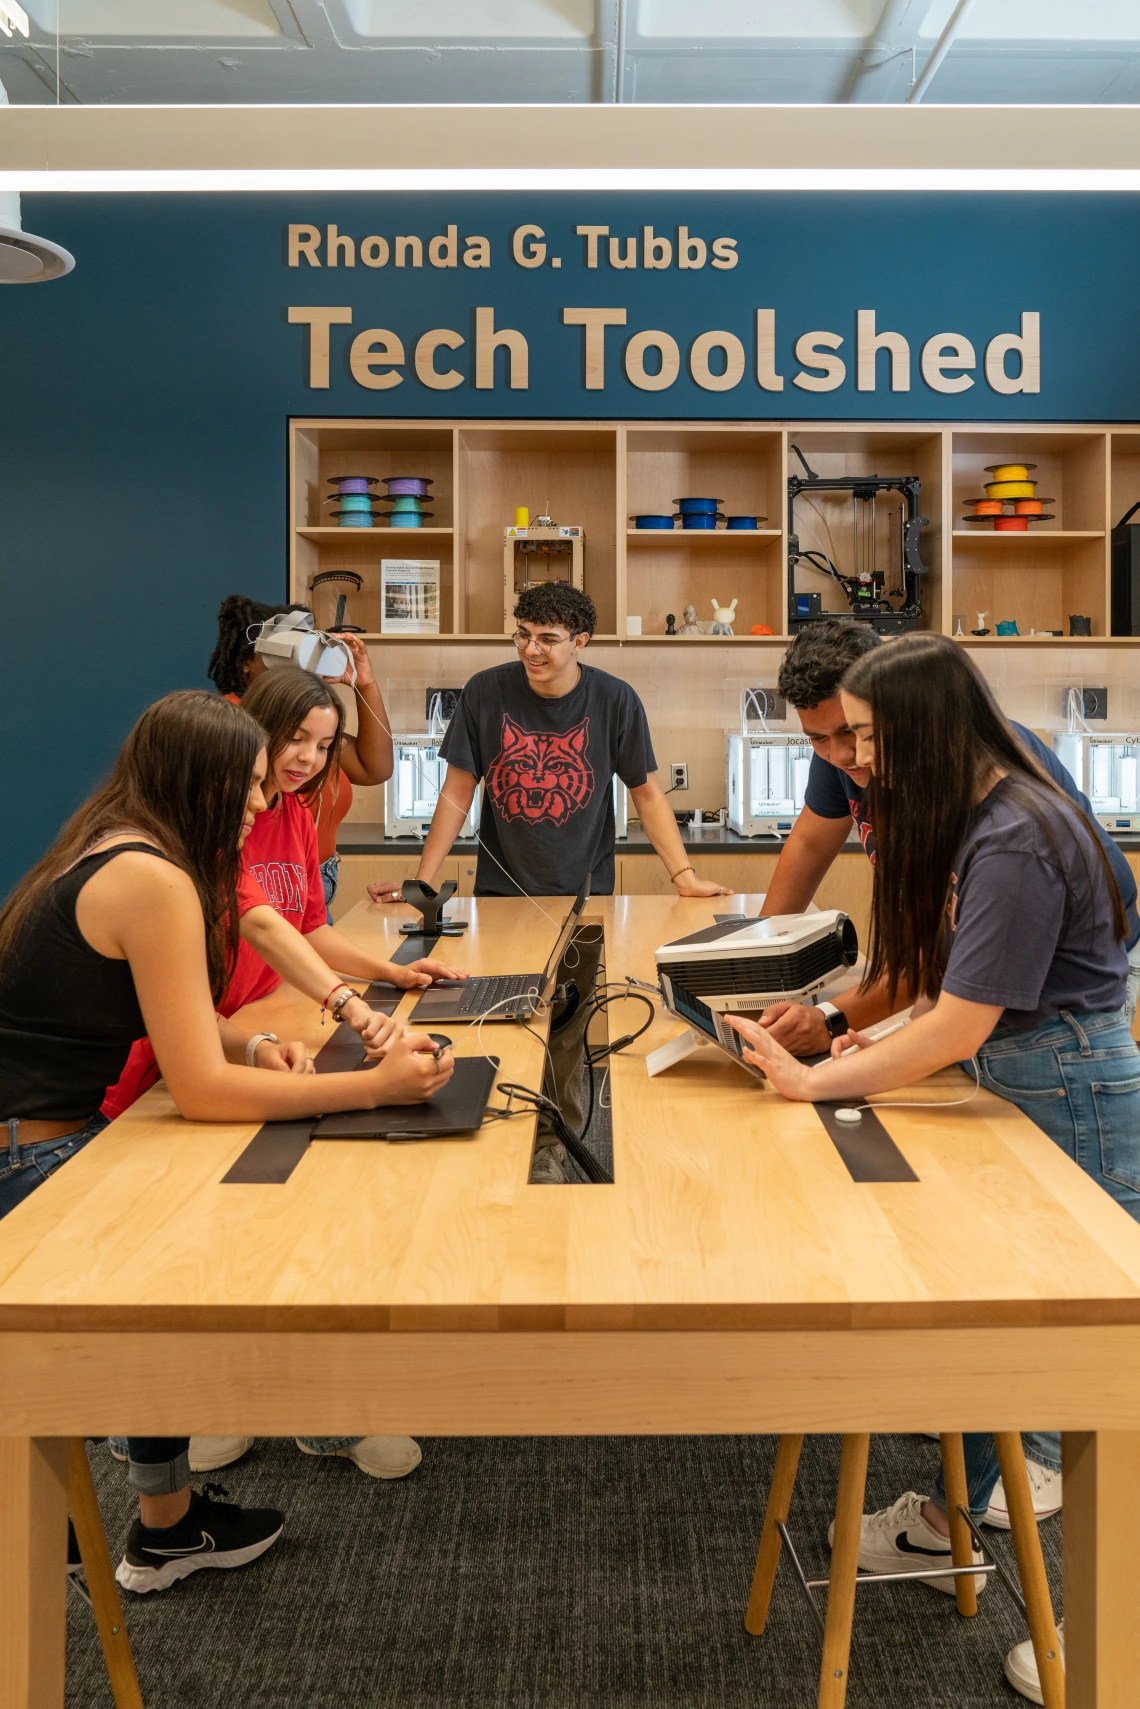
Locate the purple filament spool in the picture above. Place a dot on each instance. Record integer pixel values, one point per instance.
(352, 483)
(398, 485)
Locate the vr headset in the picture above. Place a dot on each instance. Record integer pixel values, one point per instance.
(292, 639)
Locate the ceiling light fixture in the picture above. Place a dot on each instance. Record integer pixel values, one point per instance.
(795, 178)
(13, 17)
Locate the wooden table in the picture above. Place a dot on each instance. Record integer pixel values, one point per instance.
(733, 1279)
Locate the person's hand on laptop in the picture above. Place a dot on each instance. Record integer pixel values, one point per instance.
(411, 1072)
(423, 972)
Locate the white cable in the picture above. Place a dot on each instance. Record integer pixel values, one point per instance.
(930, 1103)
(517, 997)
(464, 810)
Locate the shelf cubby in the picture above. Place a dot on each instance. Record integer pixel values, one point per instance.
(1056, 569)
(568, 473)
(664, 575)
(825, 520)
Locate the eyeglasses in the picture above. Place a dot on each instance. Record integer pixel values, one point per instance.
(547, 643)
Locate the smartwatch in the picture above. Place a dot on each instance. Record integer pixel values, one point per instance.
(834, 1020)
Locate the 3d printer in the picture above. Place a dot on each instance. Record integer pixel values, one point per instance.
(865, 588)
(543, 551)
(412, 791)
(1107, 768)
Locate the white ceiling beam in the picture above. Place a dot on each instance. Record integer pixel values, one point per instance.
(941, 48)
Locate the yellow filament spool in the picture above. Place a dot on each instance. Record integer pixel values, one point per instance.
(1011, 489)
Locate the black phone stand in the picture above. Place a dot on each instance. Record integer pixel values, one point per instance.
(430, 904)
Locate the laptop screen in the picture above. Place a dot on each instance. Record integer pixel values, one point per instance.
(550, 972)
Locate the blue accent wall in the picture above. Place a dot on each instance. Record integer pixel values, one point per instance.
(144, 399)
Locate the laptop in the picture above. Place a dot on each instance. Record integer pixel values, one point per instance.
(498, 996)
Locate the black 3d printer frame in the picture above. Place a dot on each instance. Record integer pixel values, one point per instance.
(866, 487)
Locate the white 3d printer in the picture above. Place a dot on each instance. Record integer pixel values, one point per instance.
(767, 773)
(1107, 768)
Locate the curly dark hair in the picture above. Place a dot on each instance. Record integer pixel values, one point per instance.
(555, 602)
(819, 658)
(235, 615)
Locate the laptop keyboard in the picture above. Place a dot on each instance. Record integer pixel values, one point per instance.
(485, 993)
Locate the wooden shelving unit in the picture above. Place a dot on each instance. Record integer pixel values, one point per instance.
(600, 474)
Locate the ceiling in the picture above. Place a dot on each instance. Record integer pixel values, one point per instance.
(147, 52)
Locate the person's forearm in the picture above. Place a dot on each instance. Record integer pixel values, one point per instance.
(337, 951)
(234, 1040)
(951, 1032)
(660, 827)
(296, 958)
(372, 745)
(805, 859)
(864, 1008)
(239, 1094)
(451, 810)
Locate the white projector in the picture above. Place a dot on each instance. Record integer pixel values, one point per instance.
(742, 967)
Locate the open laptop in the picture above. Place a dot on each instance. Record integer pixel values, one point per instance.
(498, 996)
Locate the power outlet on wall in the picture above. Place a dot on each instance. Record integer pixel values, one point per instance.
(1094, 702)
(678, 777)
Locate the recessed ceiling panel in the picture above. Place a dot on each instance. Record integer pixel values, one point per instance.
(749, 19)
(155, 19)
(1029, 21)
(436, 20)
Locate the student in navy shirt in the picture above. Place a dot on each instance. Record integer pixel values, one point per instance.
(835, 800)
(996, 904)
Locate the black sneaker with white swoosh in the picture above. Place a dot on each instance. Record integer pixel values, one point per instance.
(210, 1534)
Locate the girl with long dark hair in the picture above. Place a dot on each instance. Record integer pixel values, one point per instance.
(994, 900)
(364, 759)
(128, 925)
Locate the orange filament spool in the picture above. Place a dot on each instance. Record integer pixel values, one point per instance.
(1029, 506)
(1011, 524)
(986, 506)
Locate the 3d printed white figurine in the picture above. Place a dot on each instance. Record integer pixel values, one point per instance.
(723, 616)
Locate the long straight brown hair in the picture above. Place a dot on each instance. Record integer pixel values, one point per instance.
(281, 699)
(182, 778)
(938, 732)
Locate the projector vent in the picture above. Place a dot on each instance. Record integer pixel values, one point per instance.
(748, 974)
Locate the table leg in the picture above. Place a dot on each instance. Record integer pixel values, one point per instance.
(100, 1575)
(776, 1512)
(961, 1542)
(33, 1570)
(844, 1568)
(1102, 1519)
(1031, 1568)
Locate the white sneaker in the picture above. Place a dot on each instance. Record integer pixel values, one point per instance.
(208, 1453)
(1021, 1667)
(379, 1456)
(898, 1537)
(1044, 1487)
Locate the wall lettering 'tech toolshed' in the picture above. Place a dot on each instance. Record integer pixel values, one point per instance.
(721, 359)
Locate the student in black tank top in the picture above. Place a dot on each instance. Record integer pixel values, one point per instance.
(128, 926)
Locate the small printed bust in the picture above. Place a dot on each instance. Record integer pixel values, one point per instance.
(723, 616)
(689, 626)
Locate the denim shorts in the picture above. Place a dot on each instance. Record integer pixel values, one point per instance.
(1077, 1076)
(37, 1163)
(330, 879)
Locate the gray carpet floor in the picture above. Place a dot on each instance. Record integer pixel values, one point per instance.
(536, 1573)
(532, 1573)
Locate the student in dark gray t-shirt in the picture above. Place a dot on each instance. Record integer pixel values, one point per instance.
(995, 900)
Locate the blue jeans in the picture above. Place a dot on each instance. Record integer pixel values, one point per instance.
(160, 1465)
(1077, 1077)
(330, 878)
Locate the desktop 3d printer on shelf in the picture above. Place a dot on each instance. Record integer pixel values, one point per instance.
(865, 587)
(541, 551)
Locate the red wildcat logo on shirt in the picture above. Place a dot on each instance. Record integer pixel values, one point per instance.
(540, 774)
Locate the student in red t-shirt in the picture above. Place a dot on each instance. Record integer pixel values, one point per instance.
(365, 759)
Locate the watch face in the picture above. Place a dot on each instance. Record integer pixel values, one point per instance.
(836, 1024)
